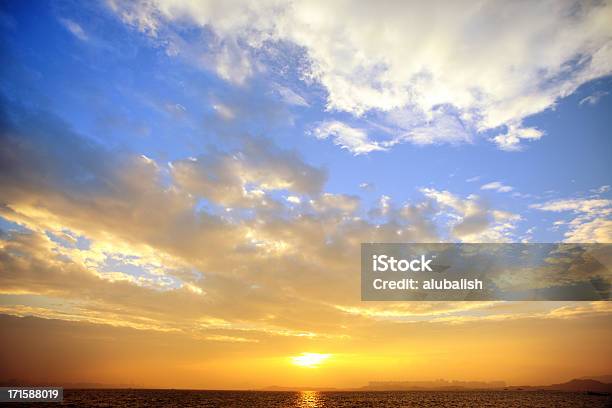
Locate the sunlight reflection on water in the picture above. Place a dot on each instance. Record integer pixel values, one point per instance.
(309, 399)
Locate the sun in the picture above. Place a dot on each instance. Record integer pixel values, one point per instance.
(309, 360)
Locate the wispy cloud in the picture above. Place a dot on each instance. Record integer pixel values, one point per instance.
(355, 140)
(515, 134)
(592, 218)
(601, 190)
(75, 29)
(291, 97)
(593, 99)
(497, 186)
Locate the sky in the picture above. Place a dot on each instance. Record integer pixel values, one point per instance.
(184, 186)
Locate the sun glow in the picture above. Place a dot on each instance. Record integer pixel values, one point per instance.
(310, 360)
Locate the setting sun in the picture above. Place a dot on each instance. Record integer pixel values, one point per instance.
(309, 360)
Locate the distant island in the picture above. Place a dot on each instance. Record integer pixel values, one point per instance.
(437, 385)
(599, 384)
(575, 385)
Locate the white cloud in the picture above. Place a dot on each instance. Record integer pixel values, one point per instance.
(291, 97)
(293, 200)
(601, 190)
(596, 230)
(75, 29)
(233, 63)
(224, 111)
(497, 186)
(588, 206)
(489, 64)
(425, 128)
(511, 139)
(244, 178)
(472, 220)
(384, 207)
(592, 222)
(593, 99)
(354, 140)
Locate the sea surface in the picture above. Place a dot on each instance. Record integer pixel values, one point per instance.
(314, 399)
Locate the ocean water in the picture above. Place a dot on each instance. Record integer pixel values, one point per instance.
(313, 399)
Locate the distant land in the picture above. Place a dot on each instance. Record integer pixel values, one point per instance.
(583, 384)
(575, 385)
(600, 378)
(407, 385)
(432, 385)
(598, 384)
